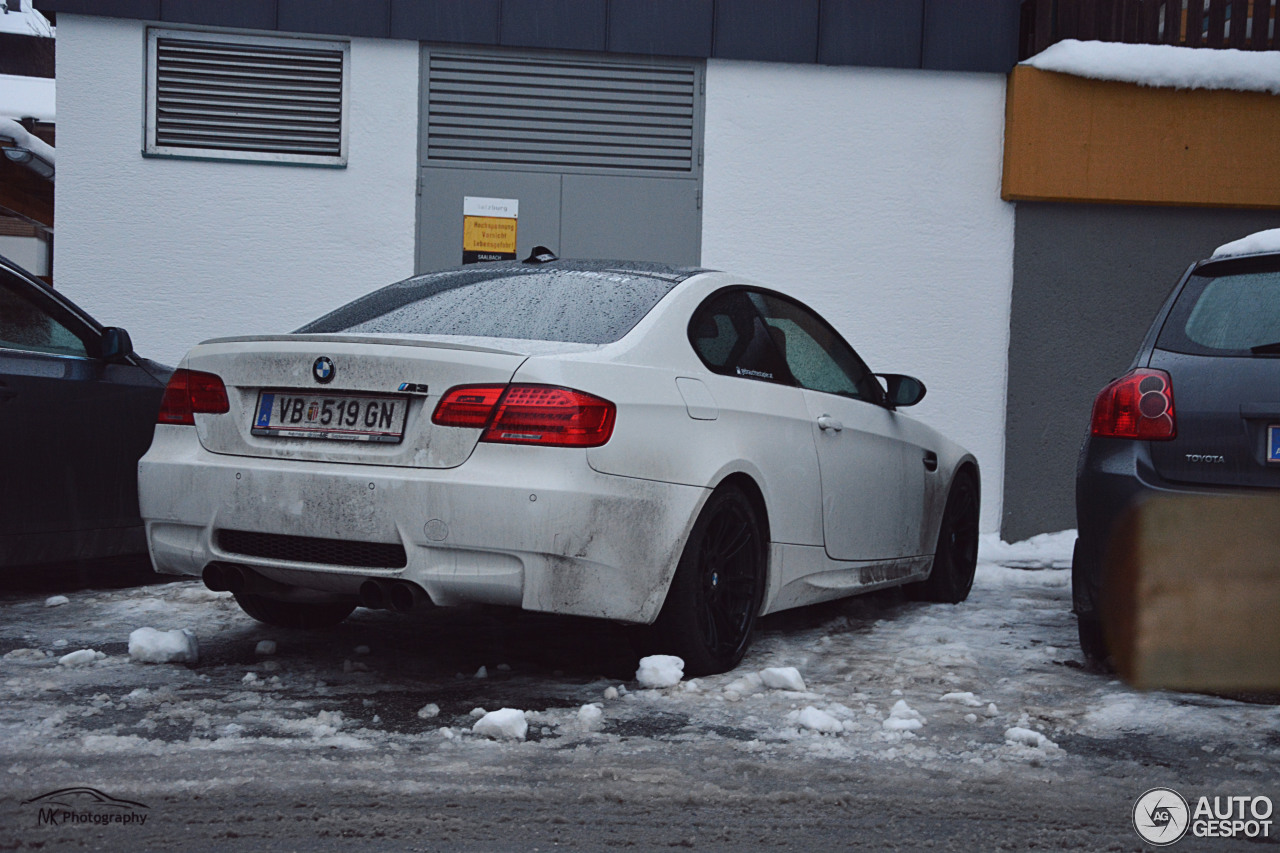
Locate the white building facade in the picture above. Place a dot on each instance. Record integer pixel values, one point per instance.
(871, 193)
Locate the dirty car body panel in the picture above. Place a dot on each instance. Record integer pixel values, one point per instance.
(592, 523)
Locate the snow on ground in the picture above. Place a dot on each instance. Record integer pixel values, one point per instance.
(1045, 551)
(995, 682)
(1163, 65)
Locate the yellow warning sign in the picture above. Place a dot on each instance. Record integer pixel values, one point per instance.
(489, 234)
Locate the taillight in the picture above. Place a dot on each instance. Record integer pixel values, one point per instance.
(467, 406)
(529, 414)
(1137, 405)
(189, 392)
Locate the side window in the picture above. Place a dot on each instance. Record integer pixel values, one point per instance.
(730, 337)
(27, 322)
(816, 355)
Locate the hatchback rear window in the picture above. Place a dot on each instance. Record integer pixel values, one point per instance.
(1225, 315)
(586, 306)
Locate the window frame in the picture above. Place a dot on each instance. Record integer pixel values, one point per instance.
(150, 148)
(84, 328)
(880, 397)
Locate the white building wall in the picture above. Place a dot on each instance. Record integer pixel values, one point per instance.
(874, 196)
(178, 251)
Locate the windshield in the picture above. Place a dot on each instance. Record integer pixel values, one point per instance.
(1225, 315)
(586, 306)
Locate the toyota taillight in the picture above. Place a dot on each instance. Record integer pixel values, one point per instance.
(1137, 405)
(528, 414)
(189, 392)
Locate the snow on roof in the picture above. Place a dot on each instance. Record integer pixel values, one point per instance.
(10, 129)
(1164, 65)
(25, 22)
(27, 97)
(1262, 241)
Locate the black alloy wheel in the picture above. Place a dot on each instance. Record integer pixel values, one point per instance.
(715, 596)
(292, 614)
(956, 557)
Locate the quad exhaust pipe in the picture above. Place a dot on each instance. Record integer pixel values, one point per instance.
(400, 596)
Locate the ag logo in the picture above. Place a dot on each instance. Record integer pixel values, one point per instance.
(1161, 816)
(322, 370)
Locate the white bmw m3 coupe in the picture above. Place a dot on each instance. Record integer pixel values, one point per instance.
(673, 447)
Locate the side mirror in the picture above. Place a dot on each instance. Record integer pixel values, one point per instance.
(902, 390)
(116, 344)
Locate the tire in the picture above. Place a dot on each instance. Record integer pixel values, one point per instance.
(1093, 642)
(956, 557)
(715, 597)
(292, 614)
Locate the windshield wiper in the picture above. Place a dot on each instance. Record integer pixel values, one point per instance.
(1266, 349)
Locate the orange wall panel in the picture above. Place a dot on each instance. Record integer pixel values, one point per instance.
(1070, 138)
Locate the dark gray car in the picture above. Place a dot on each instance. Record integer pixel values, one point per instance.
(1198, 412)
(77, 409)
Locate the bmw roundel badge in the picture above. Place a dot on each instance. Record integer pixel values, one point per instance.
(322, 369)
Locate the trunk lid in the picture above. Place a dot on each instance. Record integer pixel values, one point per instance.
(1225, 408)
(390, 372)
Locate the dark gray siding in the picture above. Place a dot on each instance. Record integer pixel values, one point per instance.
(1087, 282)
(949, 35)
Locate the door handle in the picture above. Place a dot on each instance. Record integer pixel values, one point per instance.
(930, 461)
(826, 422)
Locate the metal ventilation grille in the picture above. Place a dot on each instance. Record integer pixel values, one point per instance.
(309, 549)
(493, 110)
(227, 96)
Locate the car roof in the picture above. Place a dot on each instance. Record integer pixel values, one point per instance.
(502, 269)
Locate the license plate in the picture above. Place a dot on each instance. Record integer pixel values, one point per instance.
(1273, 444)
(340, 417)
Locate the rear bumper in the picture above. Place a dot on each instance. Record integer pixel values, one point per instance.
(1112, 476)
(530, 527)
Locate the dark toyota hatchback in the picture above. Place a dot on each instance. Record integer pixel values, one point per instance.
(1198, 411)
(77, 408)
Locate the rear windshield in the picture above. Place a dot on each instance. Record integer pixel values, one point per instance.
(1225, 315)
(585, 306)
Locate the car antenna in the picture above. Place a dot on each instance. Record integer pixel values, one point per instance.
(541, 255)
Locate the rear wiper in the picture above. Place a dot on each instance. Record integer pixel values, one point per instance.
(1266, 349)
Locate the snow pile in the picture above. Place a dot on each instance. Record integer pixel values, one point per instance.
(782, 678)
(265, 647)
(1028, 737)
(56, 601)
(816, 720)
(966, 698)
(147, 645)
(1046, 551)
(658, 671)
(902, 718)
(591, 717)
(1262, 241)
(429, 711)
(83, 657)
(504, 724)
(1163, 65)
